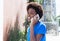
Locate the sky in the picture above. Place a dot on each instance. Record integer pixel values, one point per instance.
(57, 7)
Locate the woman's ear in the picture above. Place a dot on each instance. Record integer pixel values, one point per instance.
(38, 16)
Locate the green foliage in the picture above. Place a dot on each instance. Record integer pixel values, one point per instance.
(26, 24)
(57, 17)
(15, 33)
(39, 1)
(31, 0)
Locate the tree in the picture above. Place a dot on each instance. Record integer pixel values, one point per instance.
(15, 34)
(14, 31)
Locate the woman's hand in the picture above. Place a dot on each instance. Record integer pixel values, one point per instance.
(32, 37)
(34, 20)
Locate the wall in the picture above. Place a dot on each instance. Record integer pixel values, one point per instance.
(11, 8)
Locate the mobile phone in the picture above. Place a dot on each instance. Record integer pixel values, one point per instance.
(36, 17)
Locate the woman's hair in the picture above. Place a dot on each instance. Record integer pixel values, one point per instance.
(36, 7)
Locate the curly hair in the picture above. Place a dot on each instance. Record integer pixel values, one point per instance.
(36, 7)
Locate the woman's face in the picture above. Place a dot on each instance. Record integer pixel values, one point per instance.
(31, 13)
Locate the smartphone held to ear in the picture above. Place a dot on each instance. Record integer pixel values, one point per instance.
(36, 17)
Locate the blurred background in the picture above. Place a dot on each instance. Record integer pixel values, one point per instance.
(16, 24)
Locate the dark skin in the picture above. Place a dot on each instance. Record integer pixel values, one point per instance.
(31, 14)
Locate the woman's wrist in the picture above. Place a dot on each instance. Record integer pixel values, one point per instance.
(31, 26)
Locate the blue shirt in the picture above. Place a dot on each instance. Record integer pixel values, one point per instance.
(39, 28)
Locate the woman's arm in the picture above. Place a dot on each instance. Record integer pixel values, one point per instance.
(32, 37)
(38, 37)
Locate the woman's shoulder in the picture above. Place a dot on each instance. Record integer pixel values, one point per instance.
(40, 28)
(41, 23)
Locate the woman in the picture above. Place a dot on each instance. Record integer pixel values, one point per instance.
(37, 30)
